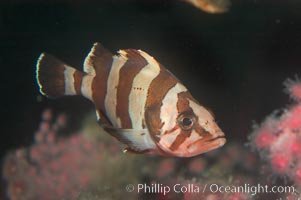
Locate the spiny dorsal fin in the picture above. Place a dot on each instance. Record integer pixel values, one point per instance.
(97, 58)
(133, 56)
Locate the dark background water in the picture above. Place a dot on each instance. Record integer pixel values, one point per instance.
(235, 63)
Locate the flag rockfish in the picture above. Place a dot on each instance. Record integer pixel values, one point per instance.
(137, 101)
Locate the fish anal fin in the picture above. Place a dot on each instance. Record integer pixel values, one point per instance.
(131, 151)
(157, 151)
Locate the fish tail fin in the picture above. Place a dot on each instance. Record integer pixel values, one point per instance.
(56, 79)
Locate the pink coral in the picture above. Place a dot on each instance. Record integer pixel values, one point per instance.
(165, 168)
(52, 168)
(280, 163)
(265, 136)
(279, 137)
(293, 87)
(197, 165)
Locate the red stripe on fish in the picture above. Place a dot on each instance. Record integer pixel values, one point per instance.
(155, 96)
(127, 74)
(180, 140)
(78, 77)
(183, 103)
(101, 61)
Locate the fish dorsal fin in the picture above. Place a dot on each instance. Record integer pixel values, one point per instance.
(137, 140)
(133, 57)
(97, 58)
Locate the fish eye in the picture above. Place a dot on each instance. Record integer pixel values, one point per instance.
(186, 121)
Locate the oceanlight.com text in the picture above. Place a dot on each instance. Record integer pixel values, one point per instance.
(213, 188)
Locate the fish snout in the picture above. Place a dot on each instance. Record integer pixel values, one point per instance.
(203, 146)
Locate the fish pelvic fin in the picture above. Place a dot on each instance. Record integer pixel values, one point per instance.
(56, 79)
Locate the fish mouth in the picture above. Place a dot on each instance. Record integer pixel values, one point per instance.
(216, 142)
(203, 146)
(217, 138)
(197, 147)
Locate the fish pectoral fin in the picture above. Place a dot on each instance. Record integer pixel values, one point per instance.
(136, 140)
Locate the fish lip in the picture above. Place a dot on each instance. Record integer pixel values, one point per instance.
(219, 135)
(218, 141)
(208, 145)
(216, 138)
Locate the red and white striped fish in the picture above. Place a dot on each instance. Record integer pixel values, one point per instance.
(137, 100)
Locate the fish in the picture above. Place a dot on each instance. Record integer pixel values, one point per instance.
(211, 6)
(137, 101)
